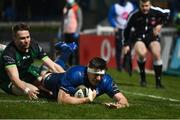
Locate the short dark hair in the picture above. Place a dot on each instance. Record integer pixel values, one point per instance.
(143, 1)
(19, 27)
(97, 63)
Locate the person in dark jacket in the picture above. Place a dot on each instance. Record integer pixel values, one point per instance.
(146, 24)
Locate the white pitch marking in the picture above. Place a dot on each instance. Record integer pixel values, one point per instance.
(152, 96)
(21, 101)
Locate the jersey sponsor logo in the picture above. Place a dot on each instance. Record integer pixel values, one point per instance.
(153, 22)
(26, 57)
(139, 39)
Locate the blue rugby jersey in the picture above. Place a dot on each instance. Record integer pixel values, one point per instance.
(75, 76)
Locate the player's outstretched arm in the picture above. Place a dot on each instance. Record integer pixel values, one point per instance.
(65, 98)
(121, 102)
(121, 99)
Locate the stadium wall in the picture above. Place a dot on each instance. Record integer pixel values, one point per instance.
(104, 46)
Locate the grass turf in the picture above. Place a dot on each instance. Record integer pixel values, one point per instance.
(145, 103)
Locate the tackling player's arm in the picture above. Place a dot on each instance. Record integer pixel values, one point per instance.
(52, 65)
(46, 60)
(13, 74)
(66, 98)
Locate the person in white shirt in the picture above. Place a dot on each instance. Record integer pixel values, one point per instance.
(118, 16)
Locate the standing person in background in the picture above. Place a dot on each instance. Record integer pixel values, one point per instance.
(71, 27)
(16, 73)
(118, 16)
(147, 23)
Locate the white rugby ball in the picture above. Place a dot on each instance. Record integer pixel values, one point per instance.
(81, 91)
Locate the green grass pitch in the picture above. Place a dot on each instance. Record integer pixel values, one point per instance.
(145, 103)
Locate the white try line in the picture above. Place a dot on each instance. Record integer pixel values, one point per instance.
(152, 96)
(23, 101)
(132, 93)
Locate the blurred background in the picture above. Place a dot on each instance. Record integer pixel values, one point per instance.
(51, 10)
(45, 16)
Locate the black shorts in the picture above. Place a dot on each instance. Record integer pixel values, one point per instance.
(52, 82)
(147, 40)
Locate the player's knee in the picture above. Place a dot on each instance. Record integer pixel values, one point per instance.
(141, 50)
(158, 62)
(156, 55)
(142, 53)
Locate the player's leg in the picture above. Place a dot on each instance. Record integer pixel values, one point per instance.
(156, 52)
(66, 51)
(118, 45)
(141, 51)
